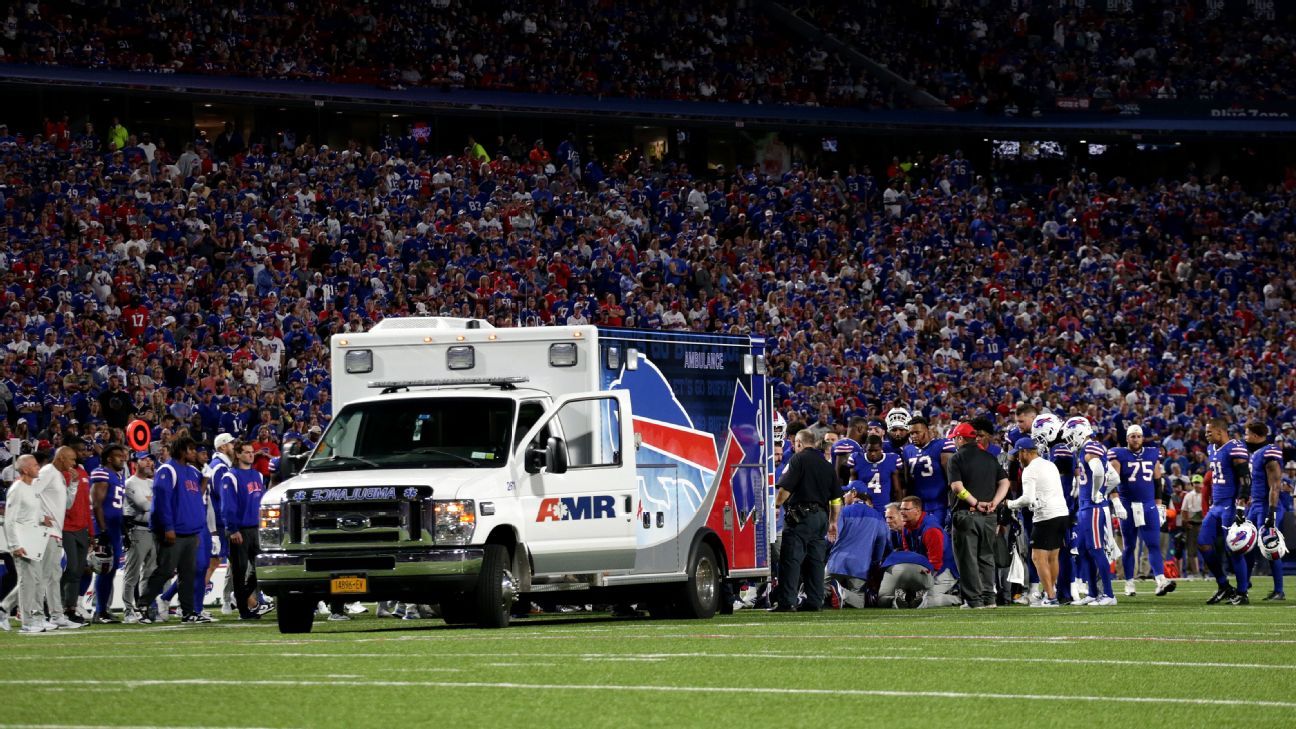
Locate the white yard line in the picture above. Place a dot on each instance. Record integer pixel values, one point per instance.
(753, 690)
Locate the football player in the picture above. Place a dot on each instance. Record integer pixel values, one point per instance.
(1092, 481)
(1266, 507)
(1139, 468)
(108, 493)
(897, 430)
(877, 475)
(846, 450)
(1230, 467)
(926, 465)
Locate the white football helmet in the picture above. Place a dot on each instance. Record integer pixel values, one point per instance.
(897, 418)
(1045, 430)
(1077, 432)
(780, 428)
(1272, 544)
(1242, 537)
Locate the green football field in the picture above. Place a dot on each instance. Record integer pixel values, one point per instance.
(1148, 662)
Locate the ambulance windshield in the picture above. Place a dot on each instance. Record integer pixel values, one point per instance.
(448, 432)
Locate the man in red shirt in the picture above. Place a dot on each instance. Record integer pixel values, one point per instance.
(77, 530)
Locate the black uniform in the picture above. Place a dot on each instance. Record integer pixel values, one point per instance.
(974, 532)
(812, 483)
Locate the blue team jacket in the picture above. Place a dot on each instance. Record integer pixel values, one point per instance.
(177, 500)
(242, 498)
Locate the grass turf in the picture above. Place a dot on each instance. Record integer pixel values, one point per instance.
(1147, 662)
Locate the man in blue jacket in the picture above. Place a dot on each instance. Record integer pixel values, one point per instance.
(241, 500)
(862, 542)
(179, 516)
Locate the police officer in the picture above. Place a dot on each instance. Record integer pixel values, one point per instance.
(811, 498)
(980, 484)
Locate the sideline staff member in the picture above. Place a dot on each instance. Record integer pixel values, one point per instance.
(980, 484)
(1042, 494)
(809, 493)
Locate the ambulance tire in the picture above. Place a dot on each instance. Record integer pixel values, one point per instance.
(296, 614)
(492, 600)
(701, 598)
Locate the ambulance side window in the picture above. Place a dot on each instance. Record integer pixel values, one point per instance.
(529, 413)
(592, 430)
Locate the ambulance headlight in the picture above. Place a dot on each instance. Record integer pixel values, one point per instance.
(359, 361)
(562, 354)
(271, 528)
(453, 522)
(462, 357)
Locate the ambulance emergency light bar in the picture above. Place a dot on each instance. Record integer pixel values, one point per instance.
(506, 383)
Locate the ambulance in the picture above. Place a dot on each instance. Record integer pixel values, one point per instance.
(472, 467)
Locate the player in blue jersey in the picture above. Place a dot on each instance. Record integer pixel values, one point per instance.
(1230, 466)
(1139, 468)
(877, 474)
(926, 465)
(214, 475)
(108, 494)
(1266, 508)
(897, 430)
(1094, 479)
(847, 449)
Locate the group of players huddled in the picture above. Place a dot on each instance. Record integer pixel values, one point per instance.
(880, 463)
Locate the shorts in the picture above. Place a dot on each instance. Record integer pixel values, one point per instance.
(1050, 534)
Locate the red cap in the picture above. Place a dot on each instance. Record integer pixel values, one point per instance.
(963, 430)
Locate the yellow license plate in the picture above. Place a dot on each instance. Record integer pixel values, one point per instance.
(348, 585)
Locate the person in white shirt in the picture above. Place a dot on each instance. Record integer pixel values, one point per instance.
(24, 515)
(1190, 519)
(1042, 494)
(52, 487)
(141, 556)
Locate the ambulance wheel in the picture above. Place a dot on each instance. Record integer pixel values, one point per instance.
(296, 614)
(702, 590)
(495, 593)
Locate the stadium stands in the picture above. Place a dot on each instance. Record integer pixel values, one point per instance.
(724, 52)
(210, 280)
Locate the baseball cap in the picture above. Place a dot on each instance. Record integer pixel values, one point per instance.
(222, 439)
(1197, 478)
(1134, 430)
(1291, 466)
(1024, 443)
(963, 430)
(141, 455)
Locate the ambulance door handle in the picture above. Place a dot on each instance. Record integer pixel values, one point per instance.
(628, 504)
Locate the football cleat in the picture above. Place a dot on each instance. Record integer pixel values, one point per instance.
(1240, 599)
(1275, 596)
(1166, 588)
(1222, 594)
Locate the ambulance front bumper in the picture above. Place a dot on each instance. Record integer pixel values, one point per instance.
(389, 573)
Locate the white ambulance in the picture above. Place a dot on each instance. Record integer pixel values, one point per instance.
(471, 466)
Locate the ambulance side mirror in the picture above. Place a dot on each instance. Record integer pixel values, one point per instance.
(553, 456)
(556, 455)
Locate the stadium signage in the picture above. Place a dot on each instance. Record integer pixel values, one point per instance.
(1235, 113)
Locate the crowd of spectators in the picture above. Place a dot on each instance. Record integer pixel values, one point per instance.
(199, 291)
(1024, 56)
(721, 52)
